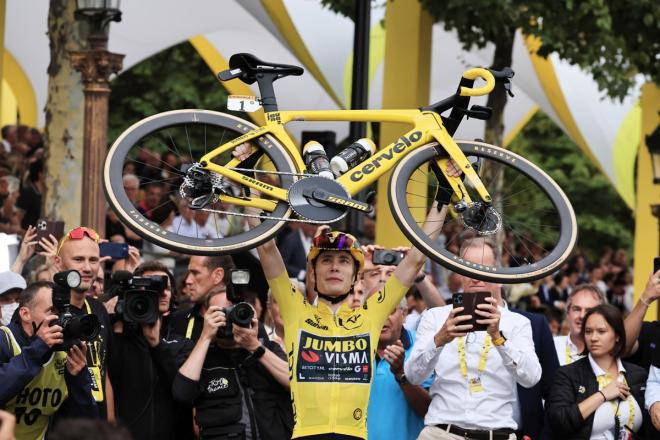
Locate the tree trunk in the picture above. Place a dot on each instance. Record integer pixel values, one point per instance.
(64, 118)
(494, 134)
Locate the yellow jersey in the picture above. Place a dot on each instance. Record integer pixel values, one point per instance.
(331, 357)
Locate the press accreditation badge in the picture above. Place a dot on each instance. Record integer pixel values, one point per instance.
(475, 385)
(243, 103)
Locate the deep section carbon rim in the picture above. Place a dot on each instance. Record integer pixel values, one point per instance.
(531, 221)
(158, 150)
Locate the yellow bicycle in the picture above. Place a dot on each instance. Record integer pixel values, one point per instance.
(499, 193)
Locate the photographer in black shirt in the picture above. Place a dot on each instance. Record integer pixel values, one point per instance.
(145, 360)
(237, 381)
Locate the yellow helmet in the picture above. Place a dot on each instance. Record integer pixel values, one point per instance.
(337, 241)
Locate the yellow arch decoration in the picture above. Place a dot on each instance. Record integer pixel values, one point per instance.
(624, 153)
(217, 62)
(519, 126)
(280, 17)
(550, 84)
(22, 89)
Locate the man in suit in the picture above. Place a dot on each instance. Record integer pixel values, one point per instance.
(294, 247)
(531, 399)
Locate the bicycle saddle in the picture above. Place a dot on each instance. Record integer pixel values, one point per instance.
(246, 67)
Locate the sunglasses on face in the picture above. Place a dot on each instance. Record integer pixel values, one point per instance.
(339, 242)
(78, 234)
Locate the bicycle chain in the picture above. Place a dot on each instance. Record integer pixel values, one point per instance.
(215, 178)
(265, 217)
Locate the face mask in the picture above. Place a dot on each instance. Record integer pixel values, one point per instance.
(7, 312)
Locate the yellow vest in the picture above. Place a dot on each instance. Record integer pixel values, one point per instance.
(41, 398)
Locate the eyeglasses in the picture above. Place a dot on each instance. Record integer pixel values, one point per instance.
(78, 234)
(335, 241)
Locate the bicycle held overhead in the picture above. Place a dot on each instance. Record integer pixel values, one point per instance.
(499, 192)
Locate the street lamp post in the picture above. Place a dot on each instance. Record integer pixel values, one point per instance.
(96, 64)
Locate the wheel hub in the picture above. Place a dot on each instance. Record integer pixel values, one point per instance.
(482, 218)
(312, 209)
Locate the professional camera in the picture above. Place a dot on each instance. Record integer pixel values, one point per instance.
(241, 313)
(75, 328)
(138, 296)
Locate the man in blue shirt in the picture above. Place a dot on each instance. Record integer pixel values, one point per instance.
(396, 407)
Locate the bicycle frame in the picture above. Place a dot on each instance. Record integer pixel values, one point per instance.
(427, 127)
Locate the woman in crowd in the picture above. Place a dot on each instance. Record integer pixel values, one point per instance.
(599, 396)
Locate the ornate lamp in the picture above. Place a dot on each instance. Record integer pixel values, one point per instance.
(96, 65)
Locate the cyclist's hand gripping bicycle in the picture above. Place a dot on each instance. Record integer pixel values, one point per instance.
(499, 194)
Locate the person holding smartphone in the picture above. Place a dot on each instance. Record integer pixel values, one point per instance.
(479, 369)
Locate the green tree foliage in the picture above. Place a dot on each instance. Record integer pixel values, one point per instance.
(603, 218)
(172, 79)
(611, 39)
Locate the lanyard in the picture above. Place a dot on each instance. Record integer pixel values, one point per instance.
(603, 381)
(89, 310)
(189, 329)
(569, 355)
(482, 358)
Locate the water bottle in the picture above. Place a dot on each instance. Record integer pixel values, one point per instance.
(352, 155)
(316, 160)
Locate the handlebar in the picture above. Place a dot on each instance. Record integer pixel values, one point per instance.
(473, 74)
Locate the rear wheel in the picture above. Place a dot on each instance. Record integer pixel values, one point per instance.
(158, 149)
(530, 218)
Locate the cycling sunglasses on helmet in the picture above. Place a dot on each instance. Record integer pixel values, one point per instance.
(78, 234)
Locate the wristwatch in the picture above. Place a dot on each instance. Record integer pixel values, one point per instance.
(256, 354)
(499, 341)
(401, 380)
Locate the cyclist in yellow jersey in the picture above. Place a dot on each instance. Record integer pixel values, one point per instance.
(331, 347)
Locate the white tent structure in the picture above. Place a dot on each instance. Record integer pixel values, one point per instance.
(302, 32)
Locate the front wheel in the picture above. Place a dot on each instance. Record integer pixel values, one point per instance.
(530, 222)
(157, 151)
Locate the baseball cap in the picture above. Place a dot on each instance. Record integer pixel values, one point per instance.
(10, 281)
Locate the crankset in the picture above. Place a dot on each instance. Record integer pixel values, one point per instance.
(320, 199)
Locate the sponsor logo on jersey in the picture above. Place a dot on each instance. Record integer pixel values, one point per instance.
(334, 359)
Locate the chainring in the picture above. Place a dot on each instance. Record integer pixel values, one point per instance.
(313, 209)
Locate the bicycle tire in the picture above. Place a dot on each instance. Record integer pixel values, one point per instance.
(128, 141)
(565, 229)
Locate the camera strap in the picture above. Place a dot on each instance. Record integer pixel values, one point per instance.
(474, 384)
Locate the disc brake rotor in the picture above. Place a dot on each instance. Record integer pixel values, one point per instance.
(484, 219)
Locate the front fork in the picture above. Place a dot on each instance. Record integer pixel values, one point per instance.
(448, 145)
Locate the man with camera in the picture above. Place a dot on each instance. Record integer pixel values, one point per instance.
(37, 379)
(479, 353)
(79, 250)
(205, 275)
(144, 361)
(237, 382)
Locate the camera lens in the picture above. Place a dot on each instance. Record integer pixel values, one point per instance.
(242, 314)
(139, 306)
(389, 258)
(89, 327)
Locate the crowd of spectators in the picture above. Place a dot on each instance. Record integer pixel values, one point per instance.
(176, 379)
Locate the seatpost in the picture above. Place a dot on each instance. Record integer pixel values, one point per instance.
(265, 81)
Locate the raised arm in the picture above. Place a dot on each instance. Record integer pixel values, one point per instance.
(407, 271)
(633, 322)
